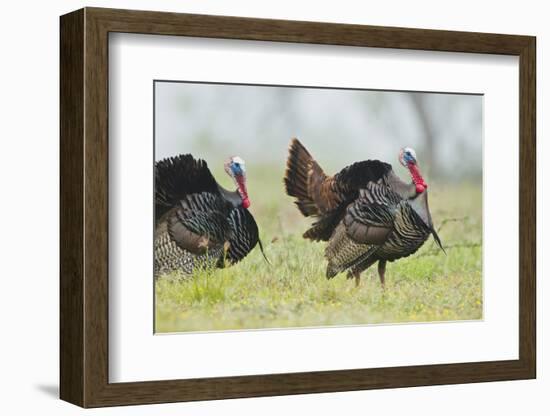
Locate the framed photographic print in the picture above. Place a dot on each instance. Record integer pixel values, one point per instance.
(255, 207)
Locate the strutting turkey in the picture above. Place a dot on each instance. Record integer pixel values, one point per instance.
(198, 222)
(365, 212)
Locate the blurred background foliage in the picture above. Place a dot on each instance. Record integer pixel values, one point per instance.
(339, 126)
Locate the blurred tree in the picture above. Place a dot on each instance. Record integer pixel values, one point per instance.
(420, 107)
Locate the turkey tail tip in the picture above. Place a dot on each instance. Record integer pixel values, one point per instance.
(294, 142)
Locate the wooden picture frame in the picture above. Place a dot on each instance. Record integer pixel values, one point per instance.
(84, 207)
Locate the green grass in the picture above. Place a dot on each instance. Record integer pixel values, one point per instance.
(293, 291)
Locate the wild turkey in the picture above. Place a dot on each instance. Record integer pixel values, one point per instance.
(365, 212)
(199, 223)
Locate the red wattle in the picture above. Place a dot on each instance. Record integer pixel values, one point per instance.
(242, 191)
(419, 183)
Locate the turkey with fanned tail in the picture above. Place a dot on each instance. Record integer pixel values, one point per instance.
(365, 212)
(198, 223)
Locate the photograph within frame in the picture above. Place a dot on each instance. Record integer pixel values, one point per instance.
(333, 128)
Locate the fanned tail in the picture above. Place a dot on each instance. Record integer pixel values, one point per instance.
(179, 176)
(299, 166)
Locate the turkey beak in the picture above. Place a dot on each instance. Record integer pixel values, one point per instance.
(241, 185)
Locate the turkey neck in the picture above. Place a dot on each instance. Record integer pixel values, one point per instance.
(417, 178)
(234, 197)
(241, 189)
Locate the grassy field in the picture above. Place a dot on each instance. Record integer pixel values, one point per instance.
(293, 291)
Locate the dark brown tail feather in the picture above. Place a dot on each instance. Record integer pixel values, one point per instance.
(322, 229)
(298, 169)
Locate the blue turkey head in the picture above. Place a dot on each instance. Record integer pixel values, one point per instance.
(235, 167)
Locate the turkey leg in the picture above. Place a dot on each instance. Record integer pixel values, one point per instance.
(355, 275)
(382, 272)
